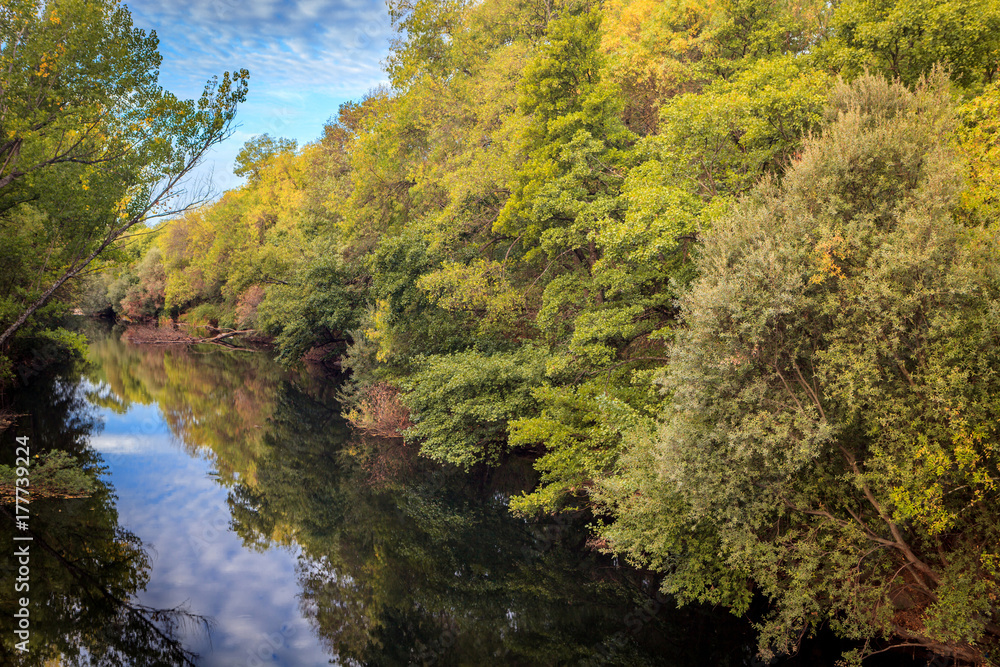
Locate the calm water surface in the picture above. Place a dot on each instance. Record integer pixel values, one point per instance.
(239, 522)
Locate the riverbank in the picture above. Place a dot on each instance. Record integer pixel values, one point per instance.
(173, 334)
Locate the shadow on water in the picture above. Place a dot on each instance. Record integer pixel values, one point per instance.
(400, 561)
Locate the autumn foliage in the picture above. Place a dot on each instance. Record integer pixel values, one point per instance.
(380, 412)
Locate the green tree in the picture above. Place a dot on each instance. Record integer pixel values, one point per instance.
(90, 145)
(407, 561)
(979, 139)
(830, 434)
(461, 403)
(258, 152)
(906, 38)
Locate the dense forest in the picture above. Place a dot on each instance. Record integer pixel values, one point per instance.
(727, 271)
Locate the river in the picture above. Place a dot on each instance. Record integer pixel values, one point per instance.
(238, 521)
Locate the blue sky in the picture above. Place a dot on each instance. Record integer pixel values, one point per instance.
(305, 58)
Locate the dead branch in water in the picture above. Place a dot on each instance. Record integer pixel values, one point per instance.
(160, 336)
(7, 418)
(215, 339)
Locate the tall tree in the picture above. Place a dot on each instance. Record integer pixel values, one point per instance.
(905, 38)
(90, 144)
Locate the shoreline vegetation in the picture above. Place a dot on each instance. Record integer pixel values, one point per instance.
(728, 272)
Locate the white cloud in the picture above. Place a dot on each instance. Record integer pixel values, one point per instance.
(305, 58)
(179, 511)
(122, 443)
(283, 44)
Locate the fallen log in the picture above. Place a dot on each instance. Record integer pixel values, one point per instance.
(163, 336)
(149, 335)
(215, 339)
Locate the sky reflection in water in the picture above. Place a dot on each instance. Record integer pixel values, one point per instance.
(175, 504)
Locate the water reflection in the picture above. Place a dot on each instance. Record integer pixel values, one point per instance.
(405, 562)
(324, 546)
(85, 568)
(210, 399)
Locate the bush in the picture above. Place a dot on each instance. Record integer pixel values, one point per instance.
(461, 403)
(380, 412)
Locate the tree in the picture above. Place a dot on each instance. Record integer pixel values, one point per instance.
(258, 152)
(90, 145)
(905, 38)
(831, 434)
(979, 139)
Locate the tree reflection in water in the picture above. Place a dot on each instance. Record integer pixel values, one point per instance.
(212, 400)
(85, 567)
(405, 562)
